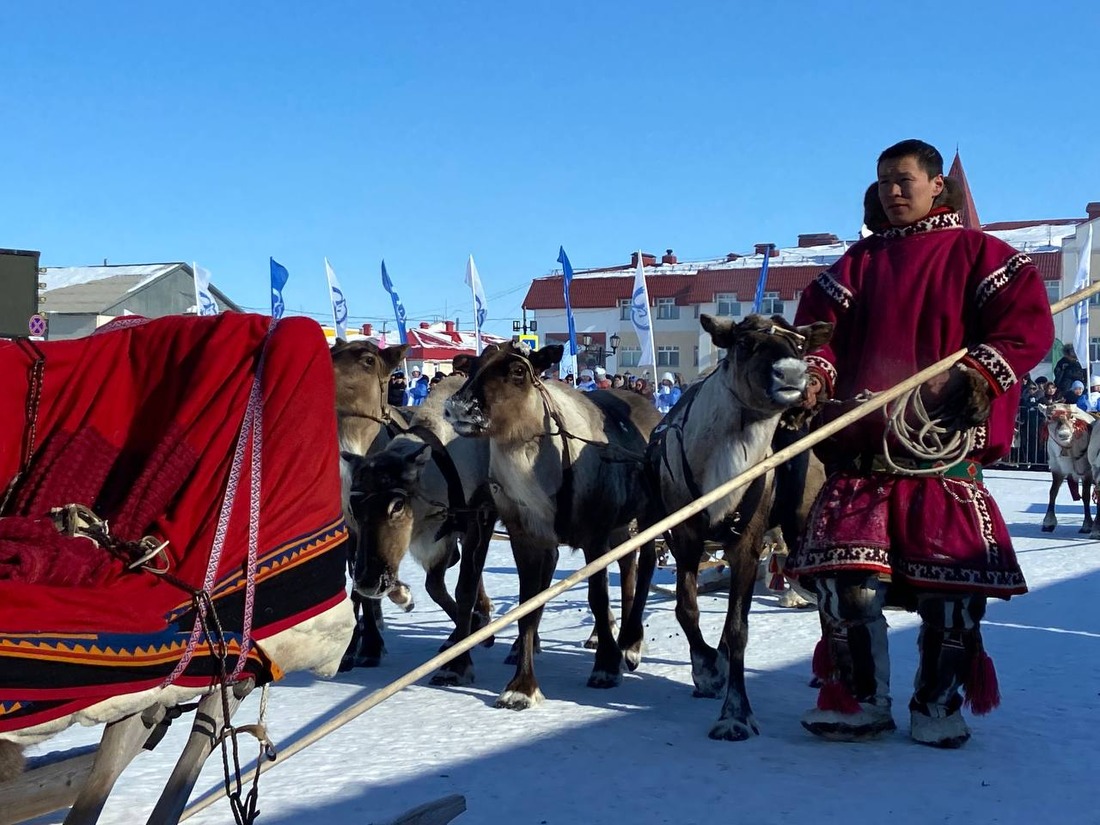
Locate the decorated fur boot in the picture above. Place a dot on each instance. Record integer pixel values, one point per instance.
(951, 661)
(854, 702)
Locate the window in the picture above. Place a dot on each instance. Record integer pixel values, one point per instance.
(728, 305)
(771, 305)
(1094, 349)
(1054, 290)
(629, 356)
(667, 309)
(1094, 301)
(668, 356)
(624, 309)
(695, 356)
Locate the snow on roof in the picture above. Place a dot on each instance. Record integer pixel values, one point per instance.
(443, 336)
(1044, 237)
(58, 277)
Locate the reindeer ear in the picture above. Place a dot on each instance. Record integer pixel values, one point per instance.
(817, 334)
(546, 357)
(721, 330)
(392, 356)
(463, 363)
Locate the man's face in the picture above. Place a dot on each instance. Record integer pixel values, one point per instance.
(905, 190)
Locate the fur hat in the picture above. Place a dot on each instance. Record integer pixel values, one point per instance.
(587, 373)
(600, 372)
(668, 377)
(1077, 385)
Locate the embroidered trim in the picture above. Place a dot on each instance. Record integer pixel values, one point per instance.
(813, 561)
(990, 363)
(833, 288)
(932, 223)
(826, 370)
(1000, 278)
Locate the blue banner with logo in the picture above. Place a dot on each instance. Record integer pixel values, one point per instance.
(567, 270)
(398, 307)
(279, 277)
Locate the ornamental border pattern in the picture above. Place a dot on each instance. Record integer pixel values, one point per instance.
(1000, 278)
(994, 365)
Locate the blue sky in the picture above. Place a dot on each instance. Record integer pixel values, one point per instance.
(422, 132)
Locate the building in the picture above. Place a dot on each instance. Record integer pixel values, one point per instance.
(79, 299)
(679, 291)
(432, 347)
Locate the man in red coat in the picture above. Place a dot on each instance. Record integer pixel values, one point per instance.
(887, 522)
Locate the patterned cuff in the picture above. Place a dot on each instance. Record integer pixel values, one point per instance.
(991, 364)
(823, 370)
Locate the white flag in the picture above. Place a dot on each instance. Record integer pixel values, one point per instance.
(641, 319)
(481, 308)
(204, 300)
(339, 305)
(1081, 308)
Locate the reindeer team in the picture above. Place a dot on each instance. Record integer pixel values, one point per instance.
(557, 466)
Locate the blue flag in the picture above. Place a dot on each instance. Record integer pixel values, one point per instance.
(567, 270)
(758, 299)
(279, 277)
(398, 307)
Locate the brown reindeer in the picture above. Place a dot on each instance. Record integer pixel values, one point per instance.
(418, 495)
(719, 428)
(365, 422)
(565, 468)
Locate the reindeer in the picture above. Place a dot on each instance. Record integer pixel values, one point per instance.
(365, 422)
(1068, 442)
(417, 495)
(564, 468)
(721, 427)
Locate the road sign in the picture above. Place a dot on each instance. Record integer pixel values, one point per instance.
(37, 325)
(531, 340)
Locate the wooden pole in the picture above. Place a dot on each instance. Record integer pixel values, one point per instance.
(876, 402)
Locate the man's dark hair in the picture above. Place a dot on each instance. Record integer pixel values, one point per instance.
(927, 155)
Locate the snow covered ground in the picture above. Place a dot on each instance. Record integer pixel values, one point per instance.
(640, 754)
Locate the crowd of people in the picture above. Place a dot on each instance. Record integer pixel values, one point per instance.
(411, 390)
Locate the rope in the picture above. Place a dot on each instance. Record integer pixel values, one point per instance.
(928, 440)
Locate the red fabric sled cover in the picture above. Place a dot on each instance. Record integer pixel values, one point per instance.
(140, 421)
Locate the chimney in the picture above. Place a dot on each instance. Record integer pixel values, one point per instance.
(731, 256)
(449, 326)
(366, 329)
(817, 239)
(1093, 210)
(765, 249)
(648, 259)
(668, 258)
(425, 325)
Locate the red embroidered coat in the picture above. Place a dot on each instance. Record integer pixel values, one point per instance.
(901, 301)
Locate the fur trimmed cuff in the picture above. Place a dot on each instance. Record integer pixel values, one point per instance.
(992, 366)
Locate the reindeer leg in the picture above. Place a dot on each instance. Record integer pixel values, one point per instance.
(708, 678)
(607, 670)
(366, 648)
(436, 585)
(475, 547)
(735, 722)
(633, 632)
(1050, 521)
(536, 570)
(1086, 500)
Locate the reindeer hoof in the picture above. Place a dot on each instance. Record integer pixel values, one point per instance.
(451, 678)
(1047, 528)
(632, 658)
(1085, 528)
(514, 700)
(591, 643)
(603, 679)
(734, 730)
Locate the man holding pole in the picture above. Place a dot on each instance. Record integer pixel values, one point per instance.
(901, 519)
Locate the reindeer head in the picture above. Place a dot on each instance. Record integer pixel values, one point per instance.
(501, 394)
(764, 366)
(382, 488)
(362, 370)
(1065, 425)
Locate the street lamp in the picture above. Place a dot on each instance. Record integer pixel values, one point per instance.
(597, 350)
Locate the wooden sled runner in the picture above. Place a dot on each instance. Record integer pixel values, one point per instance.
(170, 538)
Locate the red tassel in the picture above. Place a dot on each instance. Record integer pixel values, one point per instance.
(822, 665)
(983, 694)
(836, 697)
(776, 581)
